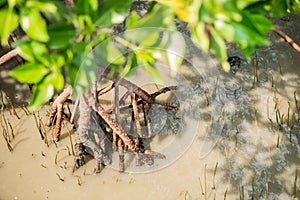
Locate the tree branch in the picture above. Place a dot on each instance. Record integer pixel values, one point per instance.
(9, 55)
(287, 39)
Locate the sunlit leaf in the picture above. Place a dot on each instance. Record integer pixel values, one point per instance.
(180, 7)
(160, 16)
(61, 35)
(242, 4)
(58, 80)
(63, 13)
(87, 7)
(200, 36)
(145, 32)
(29, 72)
(153, 72)
(146, 61)
(34, 25)
(218, 45)
(262, 24)
(226, 66)
(112, 12)
(130, 66)
(25, 50)
(42, 92)
(279, 7)
(11, 3)
(45, 6)
(107, 53)
(145, 37)
(8, 24)
(86, 74)
(33, 51)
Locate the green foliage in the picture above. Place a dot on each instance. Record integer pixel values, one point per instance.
(112, 12)
(77, 40)
(8, 25)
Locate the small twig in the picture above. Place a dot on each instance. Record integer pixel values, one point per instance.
(38, 126)
(11, 129)
(242, 193)
(4, 133)
(205, 197)
(287, 39)
(147, 118)
(10, 101)
(9, 55)
(136, 115)
(58, 151)
(225, 194)
(215, 172)
(278, 141)
(44, 166)
(70, 138)
(79, 182)
(105, 90)
(43, 131)
(117, 115)
(201, 187)
(2, 100)
(60, 178)
(295, 186)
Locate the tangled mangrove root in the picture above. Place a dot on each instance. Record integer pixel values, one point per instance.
(120, 140)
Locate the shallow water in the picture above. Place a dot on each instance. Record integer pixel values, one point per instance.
(226, 120)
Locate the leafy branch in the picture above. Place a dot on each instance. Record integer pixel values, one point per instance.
(59, 37)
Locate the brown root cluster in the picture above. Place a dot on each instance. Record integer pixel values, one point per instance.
(120, 139)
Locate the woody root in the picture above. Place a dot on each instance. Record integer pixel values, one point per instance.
(98, 129)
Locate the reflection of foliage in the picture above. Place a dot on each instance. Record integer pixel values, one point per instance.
(59, 36)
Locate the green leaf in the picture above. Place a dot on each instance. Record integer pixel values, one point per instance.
(25, 50)
(246, 3)
(61, 35)
(146, 61)
(86, 74)
(29, 73)
(44, 6)
(34, 25)
(63, 14)
(87, 7)
(294, 6)
(175, 49)
(42, 92)
(131, 65)
(218, 45)
(144, 37)
(33, 51)
(2, 2)
(57, 80)
(262, 24)
(200, 37)
(161, 17)
(107, 53)
(152, 72)
(71, 72)
(145, 31)
(260, 7)
(8, 25)
(113, 12)
(279, 7)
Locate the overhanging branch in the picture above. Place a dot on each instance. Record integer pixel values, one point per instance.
(287, 39)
